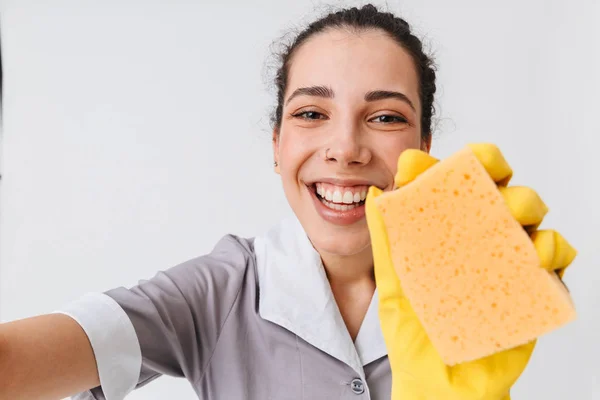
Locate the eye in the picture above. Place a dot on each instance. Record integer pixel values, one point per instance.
(390, 119)
(309, 115)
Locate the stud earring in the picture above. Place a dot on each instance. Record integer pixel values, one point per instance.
(275, 164)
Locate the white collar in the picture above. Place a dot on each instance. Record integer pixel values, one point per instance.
(295, 294)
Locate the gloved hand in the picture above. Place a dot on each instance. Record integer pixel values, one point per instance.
(418, 372)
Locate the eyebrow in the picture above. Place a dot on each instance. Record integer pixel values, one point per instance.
(388, 94)
(326, 92)
(318, 91)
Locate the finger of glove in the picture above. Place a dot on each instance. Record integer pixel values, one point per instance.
(386, 279)
(553, 250)
(490, 156)
(525, 205)
(412, 163)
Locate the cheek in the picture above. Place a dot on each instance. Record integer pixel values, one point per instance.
(293, 152)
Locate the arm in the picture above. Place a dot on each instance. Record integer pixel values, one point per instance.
(104, 345)
(47, 357)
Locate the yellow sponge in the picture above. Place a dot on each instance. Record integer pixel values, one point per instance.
(467, 266)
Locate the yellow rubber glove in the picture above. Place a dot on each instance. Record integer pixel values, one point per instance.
(418, 373)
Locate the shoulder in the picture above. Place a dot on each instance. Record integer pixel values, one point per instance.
(230, 259)
(168, 324)
(215, 277)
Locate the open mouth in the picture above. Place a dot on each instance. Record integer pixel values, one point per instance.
(340, 198)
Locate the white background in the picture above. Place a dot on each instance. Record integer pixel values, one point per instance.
(136, 134)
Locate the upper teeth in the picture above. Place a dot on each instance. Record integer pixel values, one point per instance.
(342, 195)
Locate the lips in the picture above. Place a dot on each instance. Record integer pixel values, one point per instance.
(340, 204)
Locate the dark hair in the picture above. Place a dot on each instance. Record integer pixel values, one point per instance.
(367, 17)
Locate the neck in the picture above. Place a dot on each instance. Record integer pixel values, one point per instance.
(352, 283)
(353, 269)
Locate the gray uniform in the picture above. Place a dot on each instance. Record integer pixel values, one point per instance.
(253, 319)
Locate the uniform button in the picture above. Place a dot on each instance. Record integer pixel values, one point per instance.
(357, 386)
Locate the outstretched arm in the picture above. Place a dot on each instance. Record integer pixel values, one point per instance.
(45, 357)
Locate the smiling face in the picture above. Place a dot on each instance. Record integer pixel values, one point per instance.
(350, 108)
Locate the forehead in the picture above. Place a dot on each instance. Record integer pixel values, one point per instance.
(353, 63)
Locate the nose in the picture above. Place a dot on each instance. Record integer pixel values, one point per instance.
(346, 149)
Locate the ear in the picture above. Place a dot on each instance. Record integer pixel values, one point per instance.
(276, 150)
(426, 144)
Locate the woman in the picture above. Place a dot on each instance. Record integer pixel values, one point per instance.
(291, 314)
